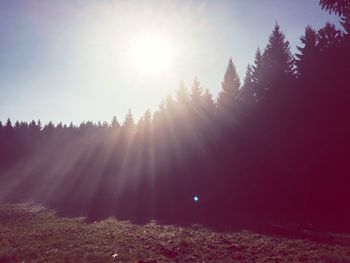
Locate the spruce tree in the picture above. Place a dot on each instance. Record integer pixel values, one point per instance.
(230, 88)
(208, 102)
(17, 125)
(278, 59)
(8, 125)
(328, 37)
(306, 59)
(49, 128)
(129, 123)
(247, 93)
(257, 74)
(278, 69)
(182, 96)
(196, 93)
(115, 124)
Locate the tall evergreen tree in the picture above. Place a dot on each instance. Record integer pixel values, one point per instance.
(196, 93)
(8, 125)
(49, 128)
(278, 67)
(305, 60)
(129, 123)
(182, 96)
(278, 59)
(115, 124)
(230, 88)
(257, 74)
(17, 125)
(208, 102)
(247, 93)
(328, 37)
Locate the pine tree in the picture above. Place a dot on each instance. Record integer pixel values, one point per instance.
(257, 74)
(230, 88)
(49, 128)
(115, 124)
(278, 69)
(129, 123)
(8, 125)
(24, 126)
(247, 93)
(306, 59)
(208, 102)
(328, 37)
(39, 125)
(17, 125)
(182, 96)
(196, 93)
(59, 126)
(278, 59)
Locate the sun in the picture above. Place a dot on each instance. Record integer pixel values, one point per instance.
(151, 54)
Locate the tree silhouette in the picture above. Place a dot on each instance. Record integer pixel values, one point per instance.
(196, 93)
(328, 37)
(208, 102)
(278, 68)
(129, 123)
(257, 75)
(277, 57)
(8, 125)
(247, 93)
(305, 61)
(115, 124)
(182, 96)
(230, 87)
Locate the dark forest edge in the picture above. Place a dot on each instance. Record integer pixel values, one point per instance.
(272, 150)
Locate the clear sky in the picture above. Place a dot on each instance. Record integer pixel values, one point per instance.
(80, 60)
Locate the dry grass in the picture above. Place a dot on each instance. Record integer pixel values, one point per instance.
(32, 234)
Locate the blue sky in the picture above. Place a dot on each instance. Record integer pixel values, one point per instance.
(66, 60)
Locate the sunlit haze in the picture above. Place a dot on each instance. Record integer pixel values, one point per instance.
(89, 60)
(151, 53)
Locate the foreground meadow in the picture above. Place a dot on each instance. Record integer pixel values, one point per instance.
(34, 234)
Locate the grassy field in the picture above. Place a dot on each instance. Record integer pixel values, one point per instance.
(33, 234)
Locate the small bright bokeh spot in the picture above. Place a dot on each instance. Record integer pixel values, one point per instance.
(196, 198)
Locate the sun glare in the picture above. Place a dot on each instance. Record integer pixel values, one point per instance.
(151, 54)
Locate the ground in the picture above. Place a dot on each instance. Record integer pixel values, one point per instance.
(34, 234)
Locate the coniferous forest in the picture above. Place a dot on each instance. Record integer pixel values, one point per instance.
(272, 148)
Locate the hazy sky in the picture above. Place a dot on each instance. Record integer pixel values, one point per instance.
(69, 60)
